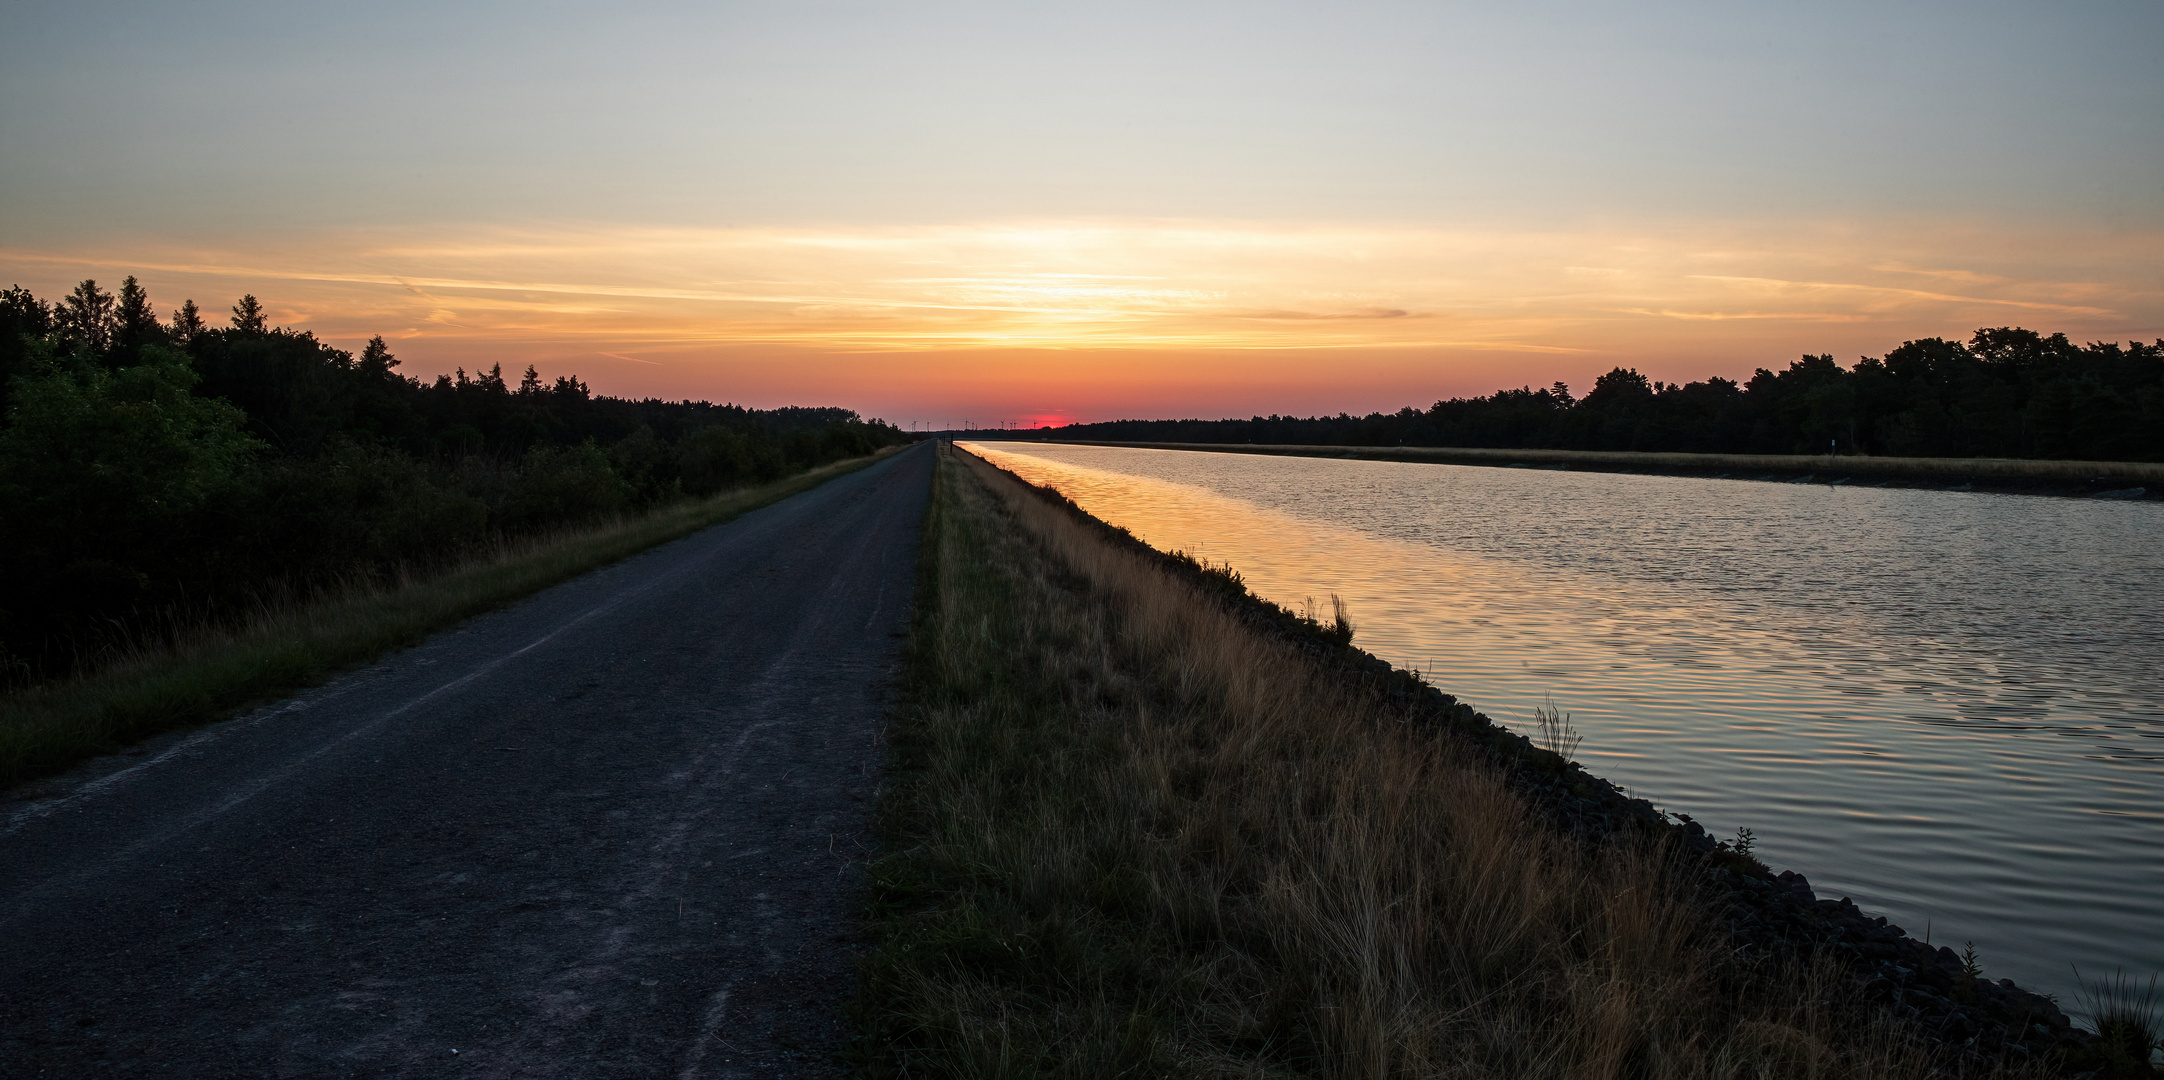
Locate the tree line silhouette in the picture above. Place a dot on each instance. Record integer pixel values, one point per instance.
(2006, 392)
(158, 473)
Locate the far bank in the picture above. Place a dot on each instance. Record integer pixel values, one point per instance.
(2093, 479)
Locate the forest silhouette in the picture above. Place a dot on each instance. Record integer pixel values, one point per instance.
(2006, 392)
(158, 474)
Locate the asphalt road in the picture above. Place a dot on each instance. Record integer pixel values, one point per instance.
(614, 830)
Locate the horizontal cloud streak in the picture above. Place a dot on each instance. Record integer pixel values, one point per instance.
(2070, 309)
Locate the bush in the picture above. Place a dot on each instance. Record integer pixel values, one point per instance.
(718, 458)
(560, 485)
(105, 476)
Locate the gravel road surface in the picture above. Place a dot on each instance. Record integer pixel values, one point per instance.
(614, 830)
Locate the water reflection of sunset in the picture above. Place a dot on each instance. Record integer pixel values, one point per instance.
(1284, 559)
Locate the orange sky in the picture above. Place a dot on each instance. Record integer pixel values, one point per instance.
(1001, 322)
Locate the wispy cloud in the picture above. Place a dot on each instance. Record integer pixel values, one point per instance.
(1910, 294)
(1965, 276)
(1723, 316)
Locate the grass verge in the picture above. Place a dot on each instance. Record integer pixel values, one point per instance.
(1133, 834)
(1933, 470)
(210, 673)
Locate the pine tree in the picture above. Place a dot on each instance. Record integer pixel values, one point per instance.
(376, 358)
(248, 316)
(86, 315)
(135, 323)
(187, 323)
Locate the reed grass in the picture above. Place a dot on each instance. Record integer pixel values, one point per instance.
(1131, 835)
(1558, 735)
(2003, 470)
(2129, 1020)
(207, 671)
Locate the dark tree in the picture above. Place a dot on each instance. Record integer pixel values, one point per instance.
(1621, 389)
(376, 359)
(295, 390)
(25, 322)
(135, 324)
(22, 313)
(188, 324)
(248, 317)
(86, 318)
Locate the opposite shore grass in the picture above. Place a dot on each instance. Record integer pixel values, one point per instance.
(1933, 470)
(214, 671)
(1131, 834)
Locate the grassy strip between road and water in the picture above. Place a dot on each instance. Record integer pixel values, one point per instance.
(285, 646)
(1134, 833)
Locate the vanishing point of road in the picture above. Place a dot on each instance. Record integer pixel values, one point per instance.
(616, 829)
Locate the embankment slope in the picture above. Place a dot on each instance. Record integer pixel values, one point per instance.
(1144, 823)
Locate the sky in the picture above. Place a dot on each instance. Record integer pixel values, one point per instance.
(1029, 212)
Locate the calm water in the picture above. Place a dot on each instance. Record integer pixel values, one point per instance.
(1948, 706)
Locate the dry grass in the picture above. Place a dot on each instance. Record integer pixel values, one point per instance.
(207, 672)
(1134, 837)
(2005, 470)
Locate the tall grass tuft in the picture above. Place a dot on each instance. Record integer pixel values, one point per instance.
(1338, 627)
(2129, 1024)
(287, 642)
(1558, 735)
(1132, 835)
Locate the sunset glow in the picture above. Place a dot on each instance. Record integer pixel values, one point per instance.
(972, 210)
(1325, 312)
